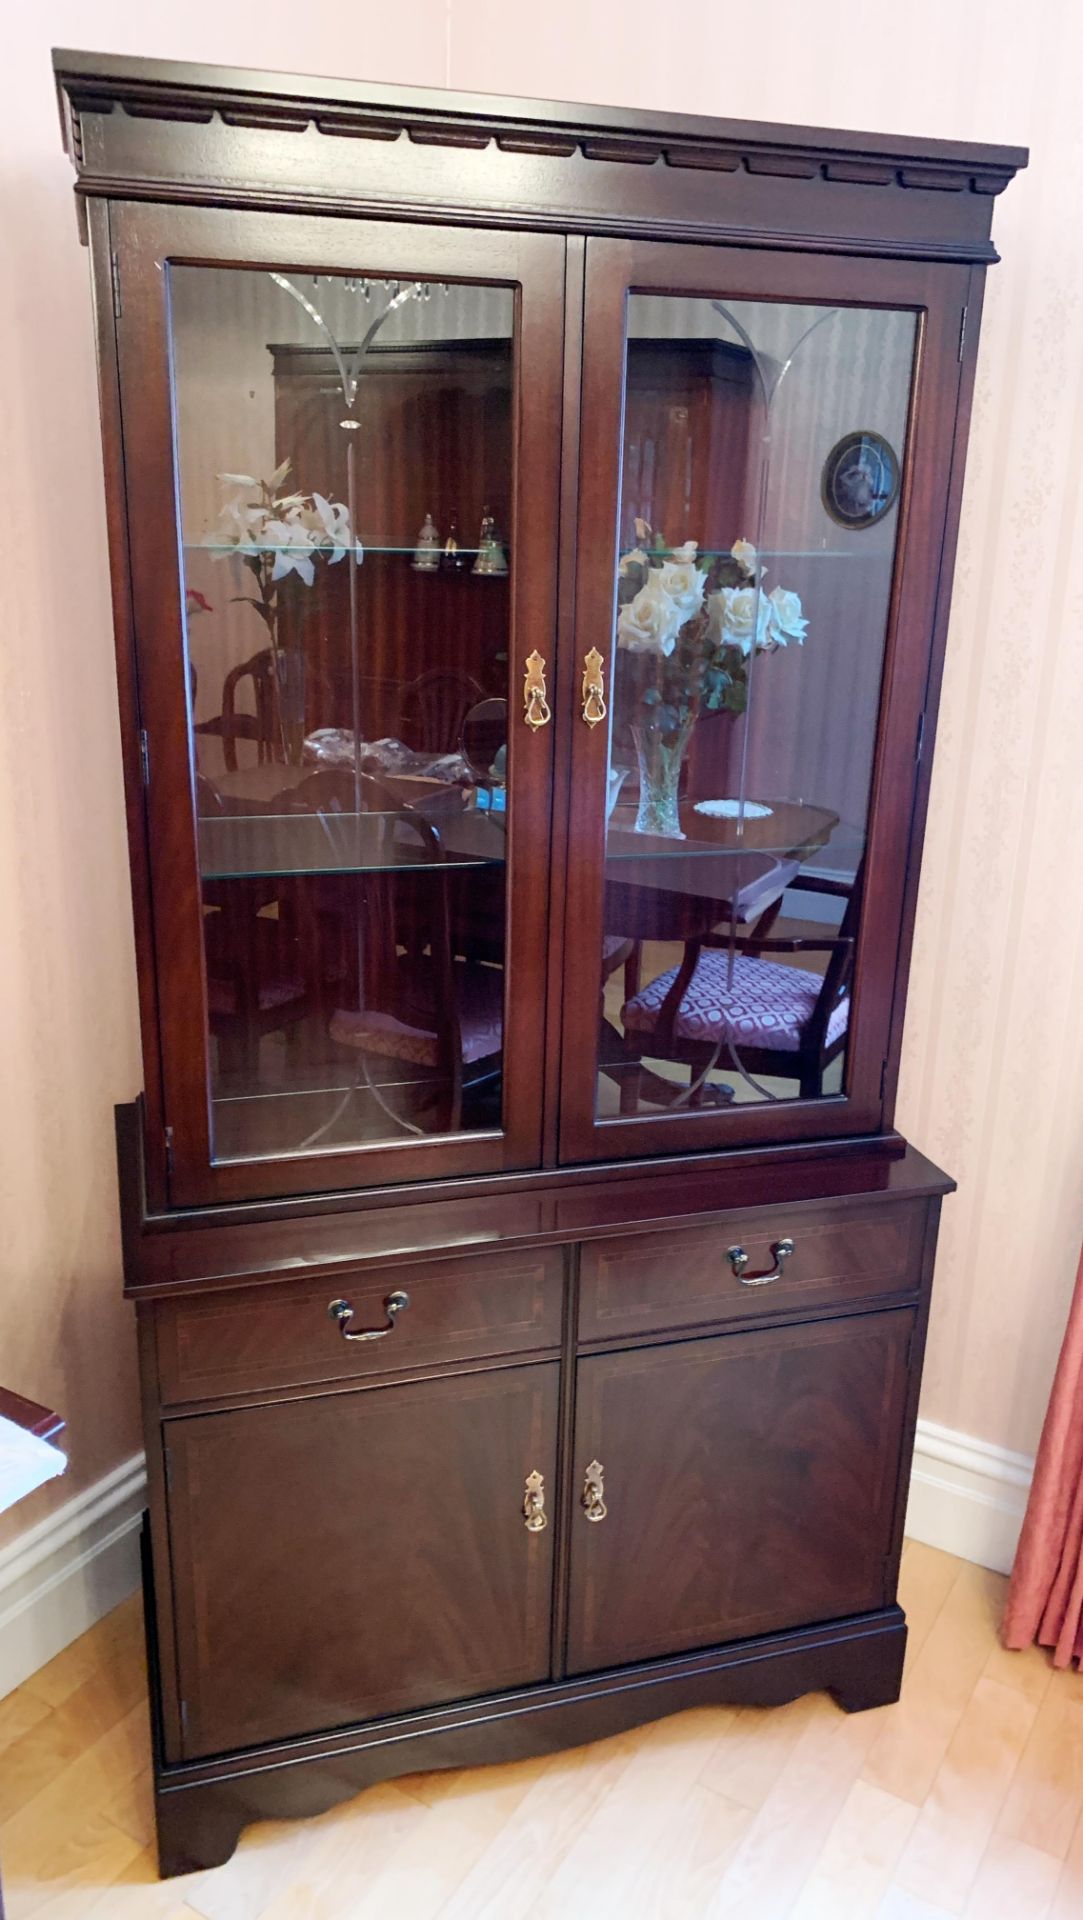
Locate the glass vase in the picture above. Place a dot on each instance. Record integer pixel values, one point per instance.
(660, 757)
(289, 673)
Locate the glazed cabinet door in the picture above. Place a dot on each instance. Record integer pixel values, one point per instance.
(341, 448)
(761, 526)
(734, 1486)
(358, 1554)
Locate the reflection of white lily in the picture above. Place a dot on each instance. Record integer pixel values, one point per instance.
(293, 550)
(297, 527)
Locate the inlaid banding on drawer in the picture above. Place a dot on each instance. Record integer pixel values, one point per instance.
(264, 1338)
(652, 1282)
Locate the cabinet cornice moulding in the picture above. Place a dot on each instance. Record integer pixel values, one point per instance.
(540, 159)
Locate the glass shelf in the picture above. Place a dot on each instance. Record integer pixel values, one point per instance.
(219, 552)
(252, 846)
(762, 553)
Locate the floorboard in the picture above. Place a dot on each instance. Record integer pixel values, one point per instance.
(963, 1802)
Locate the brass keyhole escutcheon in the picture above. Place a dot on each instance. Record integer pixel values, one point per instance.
(535, 703)
(592, 1498)
(535, 1518)
(593, 688)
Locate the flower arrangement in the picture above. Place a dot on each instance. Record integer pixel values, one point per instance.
(687, 628)
(275, 535)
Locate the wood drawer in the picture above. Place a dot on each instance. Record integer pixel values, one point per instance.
(281, 1335)
(682, 1278)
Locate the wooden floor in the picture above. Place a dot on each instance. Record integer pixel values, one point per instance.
(965, 1799)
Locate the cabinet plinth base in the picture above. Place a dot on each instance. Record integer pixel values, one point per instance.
(203, 1806)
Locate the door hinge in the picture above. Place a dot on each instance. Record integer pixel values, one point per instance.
(167, 1465)
(144, 755)
(169, 1150)
(883, 1076)
(920, 746)
(962, 330)
(115, 270)
(184, 1717)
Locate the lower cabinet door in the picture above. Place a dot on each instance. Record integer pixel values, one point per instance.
(730, 1486)
(357, 1554)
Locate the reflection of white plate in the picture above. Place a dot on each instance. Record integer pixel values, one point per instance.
(734, 809)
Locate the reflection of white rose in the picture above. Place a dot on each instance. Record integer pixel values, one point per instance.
(739, 617)
(636, 558)
(745, 555)
(683, 582)
(651, 622)
(685, 554)
(787, 619)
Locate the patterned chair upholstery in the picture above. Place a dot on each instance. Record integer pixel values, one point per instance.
(760, 1003)
(480, 998)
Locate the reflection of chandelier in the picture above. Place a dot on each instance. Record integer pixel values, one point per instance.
(349, 367)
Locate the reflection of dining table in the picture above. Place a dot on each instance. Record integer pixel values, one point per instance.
(725, 871)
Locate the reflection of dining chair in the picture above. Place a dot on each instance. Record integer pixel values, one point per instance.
(423, 1005)
(232, 725)
(729, 1005)
(256, 982)
(434, 707)
(483, 739)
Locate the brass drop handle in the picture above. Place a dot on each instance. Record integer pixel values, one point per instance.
(593, 688)
(738, 1260)
(535, 704)
(592, 1497)
(342, 1311)
(535, 1518)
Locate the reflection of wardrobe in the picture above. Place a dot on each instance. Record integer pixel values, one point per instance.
(435, 437)
(688, 417)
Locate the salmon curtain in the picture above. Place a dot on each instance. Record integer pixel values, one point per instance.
(1045, 1597)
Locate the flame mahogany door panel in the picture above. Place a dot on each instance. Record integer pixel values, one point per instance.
(357, 1554)
(750, 1480)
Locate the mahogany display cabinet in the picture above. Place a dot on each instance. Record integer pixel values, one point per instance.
(531, 531)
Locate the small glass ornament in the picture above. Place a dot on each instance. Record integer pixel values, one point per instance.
(491, 558)
(427, 549)
(454, 557)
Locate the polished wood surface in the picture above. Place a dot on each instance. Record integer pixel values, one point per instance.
(473, 158)
(749, 1480)
(408, 1500)
(171, 1253)
(662, 1283)
(30, 1414)
(963, 1800)
(241, 1343)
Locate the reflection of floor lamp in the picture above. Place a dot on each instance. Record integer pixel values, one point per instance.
(350, 367)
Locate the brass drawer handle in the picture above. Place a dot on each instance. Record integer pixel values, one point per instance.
(534, 1515)
(342, 1311)
(535, 705)
(591, 1499)
(593, 688)
(738, 1260)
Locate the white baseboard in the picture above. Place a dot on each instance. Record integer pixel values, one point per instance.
(62, 1575)
(967, 1496)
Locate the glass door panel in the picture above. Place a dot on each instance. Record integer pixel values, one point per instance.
(346, 471)
(756, 557)
(739, 587)
(342, 651)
